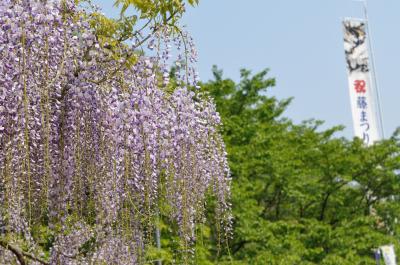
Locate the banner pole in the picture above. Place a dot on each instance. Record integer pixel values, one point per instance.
(379, 112)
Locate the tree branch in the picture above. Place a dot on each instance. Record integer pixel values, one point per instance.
(155, 29)
(20, 254)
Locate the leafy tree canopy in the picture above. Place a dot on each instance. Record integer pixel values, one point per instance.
(301, 195)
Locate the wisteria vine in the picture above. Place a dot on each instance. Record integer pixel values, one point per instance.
(91, 147)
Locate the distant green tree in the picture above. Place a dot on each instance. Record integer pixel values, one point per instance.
(301, 195)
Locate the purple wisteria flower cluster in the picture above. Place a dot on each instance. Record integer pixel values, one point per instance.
(91, 147)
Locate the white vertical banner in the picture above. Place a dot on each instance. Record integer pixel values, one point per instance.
(360, 81)
(389, 255)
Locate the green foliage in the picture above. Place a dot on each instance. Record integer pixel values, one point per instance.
(301, 195)
(151, 9)
(44, 237)
(136, 24)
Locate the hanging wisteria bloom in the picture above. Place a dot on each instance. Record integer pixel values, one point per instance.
(92, 146)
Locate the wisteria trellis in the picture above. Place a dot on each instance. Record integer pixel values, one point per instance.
(89, 146)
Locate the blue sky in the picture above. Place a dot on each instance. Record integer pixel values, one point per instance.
(301, 43)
